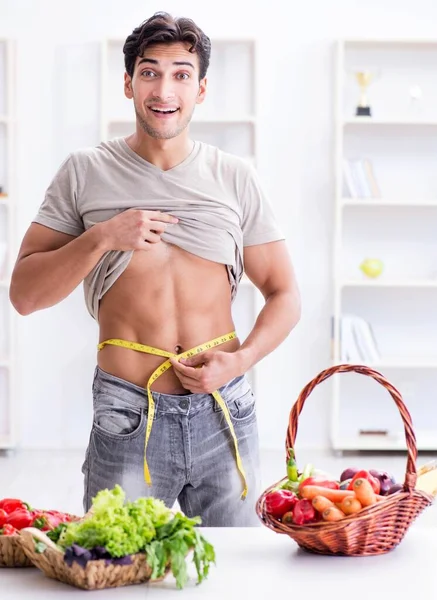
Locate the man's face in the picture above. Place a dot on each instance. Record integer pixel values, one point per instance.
(165, 88)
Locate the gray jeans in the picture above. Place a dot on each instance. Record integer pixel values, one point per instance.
(190, 453)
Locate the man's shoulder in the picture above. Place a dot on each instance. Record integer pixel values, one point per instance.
(104, 151)
(223, 160)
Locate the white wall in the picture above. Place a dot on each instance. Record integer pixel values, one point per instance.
(57, 109)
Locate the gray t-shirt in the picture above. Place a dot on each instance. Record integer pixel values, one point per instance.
(215, 195)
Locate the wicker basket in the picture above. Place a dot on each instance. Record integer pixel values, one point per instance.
(96, 575)
(376, 529)
(12, 553)
(11, 550)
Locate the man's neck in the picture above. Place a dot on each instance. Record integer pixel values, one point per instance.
(164, 154)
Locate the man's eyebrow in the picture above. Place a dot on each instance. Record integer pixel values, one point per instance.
(178, 63)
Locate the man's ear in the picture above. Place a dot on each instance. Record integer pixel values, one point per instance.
(128, 86)
(202, 91)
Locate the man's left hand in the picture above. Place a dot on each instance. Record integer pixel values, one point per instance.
(206, 372)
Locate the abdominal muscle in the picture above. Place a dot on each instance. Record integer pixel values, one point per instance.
(169, 299)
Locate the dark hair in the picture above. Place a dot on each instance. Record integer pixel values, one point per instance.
(162, 28)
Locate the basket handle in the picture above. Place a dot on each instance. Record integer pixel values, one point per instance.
(411, 472)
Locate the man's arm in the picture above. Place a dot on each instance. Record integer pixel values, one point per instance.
(50, 265)
(270, 269)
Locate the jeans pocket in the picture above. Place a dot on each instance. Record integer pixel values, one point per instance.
(243, 408)
(117, 419)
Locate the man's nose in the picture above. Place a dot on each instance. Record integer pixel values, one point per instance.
(164, 89)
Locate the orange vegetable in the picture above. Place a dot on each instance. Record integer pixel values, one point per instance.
(333, 514)
(350, 506)
(364, 492)
(311, 491)
(321, 503)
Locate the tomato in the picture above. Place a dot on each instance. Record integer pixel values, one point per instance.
(20, 519)
(8, 530)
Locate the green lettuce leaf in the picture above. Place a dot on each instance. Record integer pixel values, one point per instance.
(121, 527)
(174, 540)
(145, 525)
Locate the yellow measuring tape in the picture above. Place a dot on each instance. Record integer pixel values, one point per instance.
(162, 369)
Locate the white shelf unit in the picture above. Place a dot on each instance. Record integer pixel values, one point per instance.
(7, 240)
(395, 223)
(227, 119)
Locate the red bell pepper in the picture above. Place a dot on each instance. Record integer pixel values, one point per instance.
(278, 502)
(20, 518)
(374, 482)
(303, 512)
(326, 483)
(11, 504)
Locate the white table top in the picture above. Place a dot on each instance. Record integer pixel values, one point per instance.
(254, 560)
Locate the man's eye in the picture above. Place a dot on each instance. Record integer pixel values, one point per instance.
(182, 76)
(148, 74)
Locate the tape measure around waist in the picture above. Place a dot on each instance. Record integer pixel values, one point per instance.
(160, 371)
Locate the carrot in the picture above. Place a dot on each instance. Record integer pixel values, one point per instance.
(321, 503)
(351, 506)
(364, 492)
(311, 491)
(333, 514)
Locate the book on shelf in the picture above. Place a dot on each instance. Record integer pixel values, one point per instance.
(357, 341)
(359, 179)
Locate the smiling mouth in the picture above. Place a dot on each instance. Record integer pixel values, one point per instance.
(161, 111)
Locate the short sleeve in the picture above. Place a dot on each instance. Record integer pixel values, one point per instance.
(259, 223)
(59, 208)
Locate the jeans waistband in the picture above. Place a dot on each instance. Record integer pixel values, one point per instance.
(134, 395)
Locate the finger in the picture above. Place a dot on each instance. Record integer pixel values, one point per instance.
(195, 361)
(190, 372)
(152, 238)
(164, 217)
(189, 383)
(158, 227)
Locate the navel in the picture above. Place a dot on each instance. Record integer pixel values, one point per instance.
(178, 349)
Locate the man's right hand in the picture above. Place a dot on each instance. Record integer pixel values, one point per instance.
(135, 229)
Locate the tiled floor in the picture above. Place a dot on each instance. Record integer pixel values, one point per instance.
(52, 479)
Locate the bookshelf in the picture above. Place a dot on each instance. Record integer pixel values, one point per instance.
(396, 226)
(7, 240)
(227, 119)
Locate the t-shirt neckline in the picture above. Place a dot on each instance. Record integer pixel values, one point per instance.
(187, 160)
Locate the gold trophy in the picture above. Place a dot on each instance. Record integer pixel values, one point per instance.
(364, 79)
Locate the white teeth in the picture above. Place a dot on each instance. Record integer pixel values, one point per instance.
(161, 110)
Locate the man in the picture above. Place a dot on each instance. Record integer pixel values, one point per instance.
(158, 227)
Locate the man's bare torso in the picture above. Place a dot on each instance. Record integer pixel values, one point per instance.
(169, 299)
